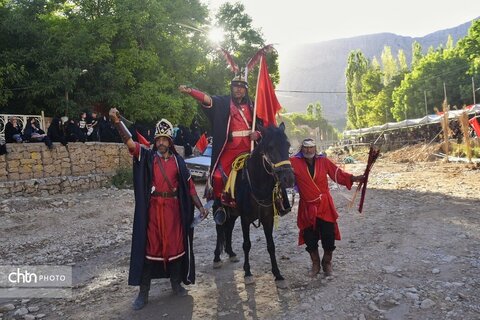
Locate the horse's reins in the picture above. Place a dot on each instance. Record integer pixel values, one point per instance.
(276, 166)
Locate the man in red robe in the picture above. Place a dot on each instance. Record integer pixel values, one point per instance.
(231, 118)
(164, 198)
(317, 216)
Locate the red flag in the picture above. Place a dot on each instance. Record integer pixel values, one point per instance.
(202, 143)
(141, 139)
(266, 101)
(475, 125)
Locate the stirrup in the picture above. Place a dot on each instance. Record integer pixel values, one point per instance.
(220, 216)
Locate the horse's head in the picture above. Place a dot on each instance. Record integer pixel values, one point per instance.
(274, 149)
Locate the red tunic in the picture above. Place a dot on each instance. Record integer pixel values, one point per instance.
(164, 230)
(234, 147)
(315, 198)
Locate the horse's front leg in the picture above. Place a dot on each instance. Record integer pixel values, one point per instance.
(246, 249)
(229, 225)
(268, 230)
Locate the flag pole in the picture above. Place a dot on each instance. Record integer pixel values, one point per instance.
(255, 105)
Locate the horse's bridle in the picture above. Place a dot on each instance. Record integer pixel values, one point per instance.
(276, 166)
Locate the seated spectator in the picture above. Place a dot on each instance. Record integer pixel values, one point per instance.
(33, 133)
(92, 127)
(13, 131)
(74, 133)
(3, 147)
(56, 131)
(82, 123)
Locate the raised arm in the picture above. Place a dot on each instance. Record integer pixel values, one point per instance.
(201, 97)
(122, 129)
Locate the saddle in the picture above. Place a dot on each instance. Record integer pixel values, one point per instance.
(228, 195)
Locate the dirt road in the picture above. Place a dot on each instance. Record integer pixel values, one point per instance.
(413, 254)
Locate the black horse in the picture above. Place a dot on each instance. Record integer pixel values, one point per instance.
(267, 167)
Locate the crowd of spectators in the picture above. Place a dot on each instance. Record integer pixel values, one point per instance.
(89, 127)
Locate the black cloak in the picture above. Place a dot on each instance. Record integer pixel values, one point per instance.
(142, 175)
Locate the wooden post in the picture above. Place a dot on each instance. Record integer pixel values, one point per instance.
(446, 129)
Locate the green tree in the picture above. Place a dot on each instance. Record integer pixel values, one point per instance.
(357, 66)
(389, 65)
(469, 48)
(429, 75)
(417, 53)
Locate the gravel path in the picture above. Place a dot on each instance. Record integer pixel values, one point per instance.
(412, 254)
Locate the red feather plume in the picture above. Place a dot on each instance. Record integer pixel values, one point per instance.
(232, 65)
(254, 60)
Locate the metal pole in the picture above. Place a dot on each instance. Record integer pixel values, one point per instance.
(425, 94)
(473, 89)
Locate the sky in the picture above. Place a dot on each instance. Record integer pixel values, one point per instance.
(287, 22)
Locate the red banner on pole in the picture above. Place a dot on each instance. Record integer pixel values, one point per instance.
(141, 139)
(202, 143)
(475, 125)
(266, 101)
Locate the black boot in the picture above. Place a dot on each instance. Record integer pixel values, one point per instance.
(176, 278)
(142, 298)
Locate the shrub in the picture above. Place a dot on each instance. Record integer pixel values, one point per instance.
(123, 178)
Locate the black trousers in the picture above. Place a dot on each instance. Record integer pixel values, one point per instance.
(174, 268)
(323, 231)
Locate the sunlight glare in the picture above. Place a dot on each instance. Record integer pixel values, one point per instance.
(216, 35)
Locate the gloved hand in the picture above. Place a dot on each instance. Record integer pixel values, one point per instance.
(114, 115)
(255, 135)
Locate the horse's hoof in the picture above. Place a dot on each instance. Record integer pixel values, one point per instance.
(217, 264)
(234, 258)
(249, 280)
(281, 284)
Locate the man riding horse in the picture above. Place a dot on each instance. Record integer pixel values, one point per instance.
(231, 118)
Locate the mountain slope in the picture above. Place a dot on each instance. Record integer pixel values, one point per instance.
(320, 67)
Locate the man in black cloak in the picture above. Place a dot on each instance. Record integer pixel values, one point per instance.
(164, 199)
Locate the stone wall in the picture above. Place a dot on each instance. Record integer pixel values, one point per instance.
(33, 169)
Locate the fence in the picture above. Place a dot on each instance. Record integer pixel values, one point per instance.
(22, 120)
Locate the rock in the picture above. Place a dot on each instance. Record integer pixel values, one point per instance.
(362, 317)
(372, 306)
(412, 296)
(25, 301)
(328, 307)
(33, 309)
(7, 307)
(427, 303)
(40, 316)
(21, 312)
(29, 317)
(389, 269)
(435, 271)
(57, 203)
